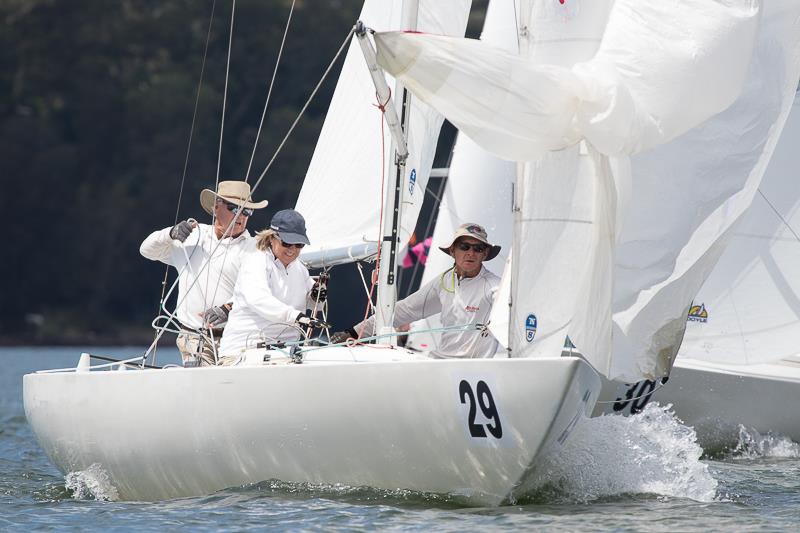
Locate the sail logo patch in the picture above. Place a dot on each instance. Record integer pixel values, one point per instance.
(530, 327)
(697, 313)
(412, 180)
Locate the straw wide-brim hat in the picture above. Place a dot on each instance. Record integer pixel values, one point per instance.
(476, 232)
(235, 192)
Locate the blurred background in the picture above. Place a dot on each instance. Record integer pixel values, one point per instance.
(96, 113)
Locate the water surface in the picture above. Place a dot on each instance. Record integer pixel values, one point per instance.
(643, 473)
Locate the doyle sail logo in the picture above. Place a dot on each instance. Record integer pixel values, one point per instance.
(412, 180)
(530, 327)
(697, 313)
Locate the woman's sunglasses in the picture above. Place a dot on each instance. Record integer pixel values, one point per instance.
(464, 246)
(246, 212)
(298, 245)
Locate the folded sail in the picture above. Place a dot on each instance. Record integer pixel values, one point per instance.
(694, 92)
(341, 195)
(748, 310)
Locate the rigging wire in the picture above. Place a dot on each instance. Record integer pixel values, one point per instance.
(785, 222)
(338, 54)
(303, 110)
(188, 148)
(225, 92)
(219, 156)
(269, 92)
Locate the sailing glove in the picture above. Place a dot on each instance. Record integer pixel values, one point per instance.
(341, 336)
(307, 321)
(319, 291)
(216, 316)
(181, 231)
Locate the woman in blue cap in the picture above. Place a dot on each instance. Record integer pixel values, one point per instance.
(273, 288)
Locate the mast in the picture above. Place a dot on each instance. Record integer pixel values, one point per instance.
(393, 202)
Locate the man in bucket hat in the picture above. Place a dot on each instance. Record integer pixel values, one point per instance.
(463, 294)
(205, 290)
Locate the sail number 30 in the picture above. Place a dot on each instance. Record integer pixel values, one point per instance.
(488, 408)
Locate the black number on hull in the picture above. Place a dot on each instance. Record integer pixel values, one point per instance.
(488, 408)
(638, 396)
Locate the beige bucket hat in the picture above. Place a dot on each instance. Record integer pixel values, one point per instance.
(476, 232)
(235, 192)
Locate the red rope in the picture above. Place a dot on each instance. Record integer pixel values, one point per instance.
(382, 108)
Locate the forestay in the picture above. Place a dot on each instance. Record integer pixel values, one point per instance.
(748, 310)
(661, 85)
(341, 195)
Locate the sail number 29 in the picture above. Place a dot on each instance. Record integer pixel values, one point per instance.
(482, 397)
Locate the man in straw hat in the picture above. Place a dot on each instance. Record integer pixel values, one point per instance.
(205, 283)
(463, 294)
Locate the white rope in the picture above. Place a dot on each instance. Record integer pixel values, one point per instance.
(269, 91)
(366, 287)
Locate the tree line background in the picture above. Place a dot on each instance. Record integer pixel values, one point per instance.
(95, 119)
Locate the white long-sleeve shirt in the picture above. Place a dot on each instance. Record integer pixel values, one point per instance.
(464, 301)
(216, 281)
(266, 298)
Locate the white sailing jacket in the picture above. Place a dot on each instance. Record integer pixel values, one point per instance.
(266, 299)
(216, 281)
(465, 301)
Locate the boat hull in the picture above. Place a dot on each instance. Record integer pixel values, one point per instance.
(161, 434)
(716, 399)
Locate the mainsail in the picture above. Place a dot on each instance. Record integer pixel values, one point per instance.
(341, 195)
(678, 110)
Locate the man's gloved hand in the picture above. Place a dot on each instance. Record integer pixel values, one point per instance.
(216, 316)
(341, 336)
(319, 291)
(181, 231)
(307, 321)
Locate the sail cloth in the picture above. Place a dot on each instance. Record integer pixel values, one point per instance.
(661, 85)
(661, 69)
(341, 195)
(478, 189)
(748, 310)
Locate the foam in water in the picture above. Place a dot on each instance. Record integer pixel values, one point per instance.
(91, 484)
(651, 452)
(754, 445)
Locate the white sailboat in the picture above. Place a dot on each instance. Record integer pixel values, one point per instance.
(386, 417)
(739, 363)
(373, 415)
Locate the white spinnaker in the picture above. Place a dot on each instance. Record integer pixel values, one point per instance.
(341, 195)
(752, 298)
(661, 71)
(712, 172)
(478, 189)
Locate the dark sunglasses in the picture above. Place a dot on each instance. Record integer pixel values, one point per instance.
(479, 247)
(246, 212)
(297, 245)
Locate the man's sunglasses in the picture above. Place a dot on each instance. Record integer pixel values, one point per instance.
(464, 246)
(246, 212)
(297, 245)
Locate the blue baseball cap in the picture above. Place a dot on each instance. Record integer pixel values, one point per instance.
(290, 226)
